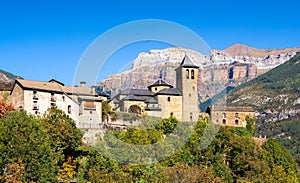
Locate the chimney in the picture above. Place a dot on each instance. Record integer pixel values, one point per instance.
(93, 90)
(82, 84)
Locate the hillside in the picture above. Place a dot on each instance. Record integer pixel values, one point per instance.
(6, 80)
(275, 96)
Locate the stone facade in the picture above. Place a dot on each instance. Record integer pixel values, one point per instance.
(80, 103)
(187, 84)
(230, 116)
(161, 99)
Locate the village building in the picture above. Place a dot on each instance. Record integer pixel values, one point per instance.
(82, 104)
(162, 99)
(159, 99)
(229, 115)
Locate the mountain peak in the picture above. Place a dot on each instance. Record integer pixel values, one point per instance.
(245, 50)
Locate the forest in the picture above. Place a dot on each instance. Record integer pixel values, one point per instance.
(50, 149)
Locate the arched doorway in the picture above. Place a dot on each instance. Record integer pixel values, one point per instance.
(135, 109)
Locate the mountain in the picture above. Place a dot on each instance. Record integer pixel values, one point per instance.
(231, 67)
(244, 50)
(6, 80)
(275, 96)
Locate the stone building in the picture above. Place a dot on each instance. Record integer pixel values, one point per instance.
(162, 99)
(230, 116)
(80, 103)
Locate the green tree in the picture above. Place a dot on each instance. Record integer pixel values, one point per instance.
(23, 137)
(167, 125)
(62, 131)
(250, 126)
(106, 111)
(277, 155)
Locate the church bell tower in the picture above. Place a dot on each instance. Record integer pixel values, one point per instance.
(187, 84)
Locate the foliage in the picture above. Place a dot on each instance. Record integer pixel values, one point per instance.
(106, 111)
(14, 173)
(167, 125)
(68, 170)
(23, 137)
(62, 131)
(279, 156)
(287, 132)
(4, 108)
(31, 149)
(250, 126)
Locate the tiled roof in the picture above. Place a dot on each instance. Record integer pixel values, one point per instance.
(160, 82)
(231, 108)
(169, 91)
(89, 98)
(186, 62)
(53, 87)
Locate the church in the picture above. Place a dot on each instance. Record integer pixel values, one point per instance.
(161, 99)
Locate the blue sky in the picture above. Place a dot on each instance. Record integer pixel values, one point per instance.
(41, 40)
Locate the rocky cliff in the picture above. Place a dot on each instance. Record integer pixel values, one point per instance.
(233, 66)
(6, 80)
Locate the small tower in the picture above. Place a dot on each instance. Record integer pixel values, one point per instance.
(187, 84)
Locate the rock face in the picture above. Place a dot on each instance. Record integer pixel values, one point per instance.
(6, 80)
(231, 67)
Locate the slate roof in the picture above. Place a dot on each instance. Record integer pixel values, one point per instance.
(186, 62)
(134, 98)
(160, 82)
(151, 100)
(169, 91)
(138, 92)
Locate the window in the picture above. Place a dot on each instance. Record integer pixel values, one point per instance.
(91, 112)
(191, 116)
(190, 95)
(69, 109)
(217, 121)
(224, 121)
(169, 99)
(171, 114)
(236, 115)
(35, 94)
(194, 88)
(52, 99)
(155, 89)
(192, 74)
(236, 121)
(224, 115)
(35, 105)
(187, 74)
(63, 97)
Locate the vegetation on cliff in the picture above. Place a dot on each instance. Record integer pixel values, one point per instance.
(275, 95)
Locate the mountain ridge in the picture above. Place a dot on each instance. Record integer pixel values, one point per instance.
(217, 69)
(6, 80)
(245, 50)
